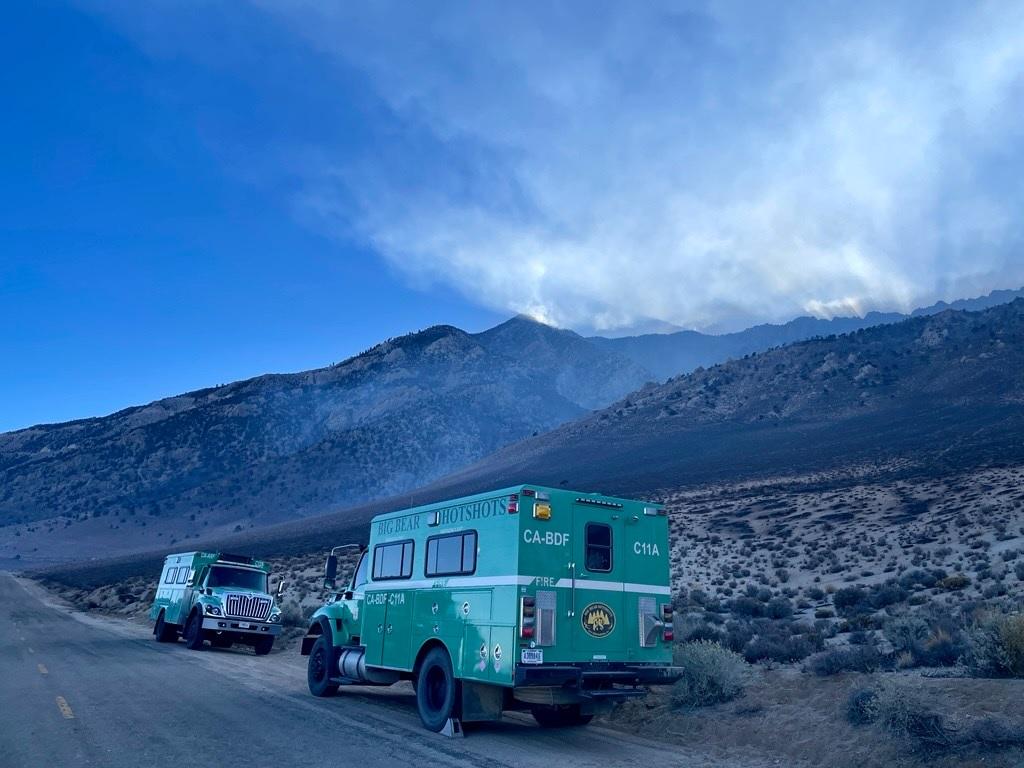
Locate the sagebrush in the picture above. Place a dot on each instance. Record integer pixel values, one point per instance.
(711, 675)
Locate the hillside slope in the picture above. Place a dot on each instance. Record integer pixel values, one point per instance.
(272, 448)
(928, 397)
(579, 370)
(935, 391)
(279, 447)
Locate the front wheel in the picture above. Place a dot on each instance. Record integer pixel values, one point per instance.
(437, 690)
(318, 670)
(194, 632)
(557, 716)
(263, 646)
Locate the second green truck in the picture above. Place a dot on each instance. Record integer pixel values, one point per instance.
(215, 597)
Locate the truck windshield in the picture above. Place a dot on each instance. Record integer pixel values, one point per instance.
(237, 577)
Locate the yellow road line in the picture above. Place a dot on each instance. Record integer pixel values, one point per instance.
(65, 709)
(42, 669)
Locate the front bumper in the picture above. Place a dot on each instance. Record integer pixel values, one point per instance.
(594, 677)
(240, 626)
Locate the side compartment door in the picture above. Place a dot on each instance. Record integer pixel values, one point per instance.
(387, 609)
(397, 636)
(599, 630)
(375, 605)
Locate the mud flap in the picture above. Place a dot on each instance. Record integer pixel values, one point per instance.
(481, 702)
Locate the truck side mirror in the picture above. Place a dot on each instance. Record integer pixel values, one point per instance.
(280, 587)
(331, 571)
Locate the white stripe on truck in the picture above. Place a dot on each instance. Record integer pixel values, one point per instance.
(513, 580)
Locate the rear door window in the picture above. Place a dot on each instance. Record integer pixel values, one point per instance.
(598, 547)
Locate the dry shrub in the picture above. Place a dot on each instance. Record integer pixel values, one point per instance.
(861, 658)
(711, 675)
(997, 645)
(902, 711)
(954, 583)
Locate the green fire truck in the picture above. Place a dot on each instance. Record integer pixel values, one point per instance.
(540, 599)
(217, 597)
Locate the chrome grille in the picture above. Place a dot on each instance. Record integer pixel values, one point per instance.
(239, 606)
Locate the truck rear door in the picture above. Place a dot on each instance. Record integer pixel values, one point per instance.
(596, 599)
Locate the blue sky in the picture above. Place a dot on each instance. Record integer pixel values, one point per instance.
(142, 254)
(198, 192)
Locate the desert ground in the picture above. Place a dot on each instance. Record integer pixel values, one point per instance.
(860, 618)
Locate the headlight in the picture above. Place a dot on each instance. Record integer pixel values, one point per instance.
(213, 610)
(275, 617)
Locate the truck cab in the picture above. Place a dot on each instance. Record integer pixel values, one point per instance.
(549, 600)
(218, 598)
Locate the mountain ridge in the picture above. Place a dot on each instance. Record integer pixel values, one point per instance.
(395, 419)
(669, 354)
(280, 446)
(927, 397)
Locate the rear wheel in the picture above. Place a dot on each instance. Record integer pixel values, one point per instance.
(437, 690)
(263, 645)
(557, 716)
(318, 670)
(193, 633)
(165, 633)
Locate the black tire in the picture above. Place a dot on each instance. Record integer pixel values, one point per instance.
(437, 690)
(165, 633)
(193, 633)
(263, 645)
(319, 668)
(559, 716)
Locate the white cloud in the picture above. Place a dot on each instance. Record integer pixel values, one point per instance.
(596, 165)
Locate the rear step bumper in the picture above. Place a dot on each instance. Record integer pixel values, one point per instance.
(592, 679)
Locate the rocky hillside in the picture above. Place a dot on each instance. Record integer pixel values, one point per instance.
(935, 391)
(930, 397)
(579, 370)
(670, 354)
(279, 447)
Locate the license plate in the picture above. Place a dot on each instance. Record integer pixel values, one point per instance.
(533, 656)
(247, 626)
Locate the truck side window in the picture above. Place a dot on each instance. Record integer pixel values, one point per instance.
(360, 576)
(453, 554)
(171, 575)
(392, 561)
(182, 575)
(599, 547)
